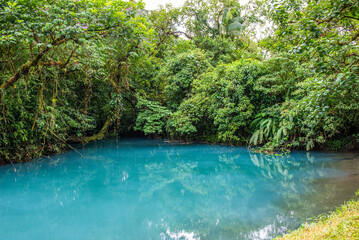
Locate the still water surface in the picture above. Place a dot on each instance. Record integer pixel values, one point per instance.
(151, 189)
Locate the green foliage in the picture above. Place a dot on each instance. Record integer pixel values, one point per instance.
(151, 116)
(321, 39)
(71, 71)
(219, 104)
(279, 80)
(347, 143)
(58, 63)
(179, 73)
(218, 50)
(340, 224)
(223, 18)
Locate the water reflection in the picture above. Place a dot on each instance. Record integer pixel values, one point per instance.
(147, 189)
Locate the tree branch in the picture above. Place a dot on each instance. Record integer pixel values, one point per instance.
(25, 68)
(68, 59)
(351, 17)
(180, 32)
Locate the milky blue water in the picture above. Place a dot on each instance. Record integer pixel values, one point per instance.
(152, 189)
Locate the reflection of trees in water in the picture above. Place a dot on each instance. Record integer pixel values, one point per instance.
(333, 188)
(227, 178)
(200, 194)
(308, 186)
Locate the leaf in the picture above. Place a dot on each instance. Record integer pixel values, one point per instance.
(235, 26)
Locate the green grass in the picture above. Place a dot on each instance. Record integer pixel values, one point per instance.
(341, 224)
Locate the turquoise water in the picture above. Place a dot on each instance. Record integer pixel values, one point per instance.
(152, 189)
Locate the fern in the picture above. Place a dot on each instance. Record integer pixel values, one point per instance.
(281, 133)
(257, 137)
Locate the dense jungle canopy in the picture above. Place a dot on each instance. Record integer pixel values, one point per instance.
(80, 70)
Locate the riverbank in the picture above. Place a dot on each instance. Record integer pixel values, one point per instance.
(341, 224)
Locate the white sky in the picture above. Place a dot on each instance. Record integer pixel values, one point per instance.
(153, 4)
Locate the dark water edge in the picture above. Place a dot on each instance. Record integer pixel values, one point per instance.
(132, 135)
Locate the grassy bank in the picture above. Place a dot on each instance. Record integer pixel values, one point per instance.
(341, 224)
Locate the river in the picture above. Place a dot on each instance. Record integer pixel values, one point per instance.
(153, 189)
